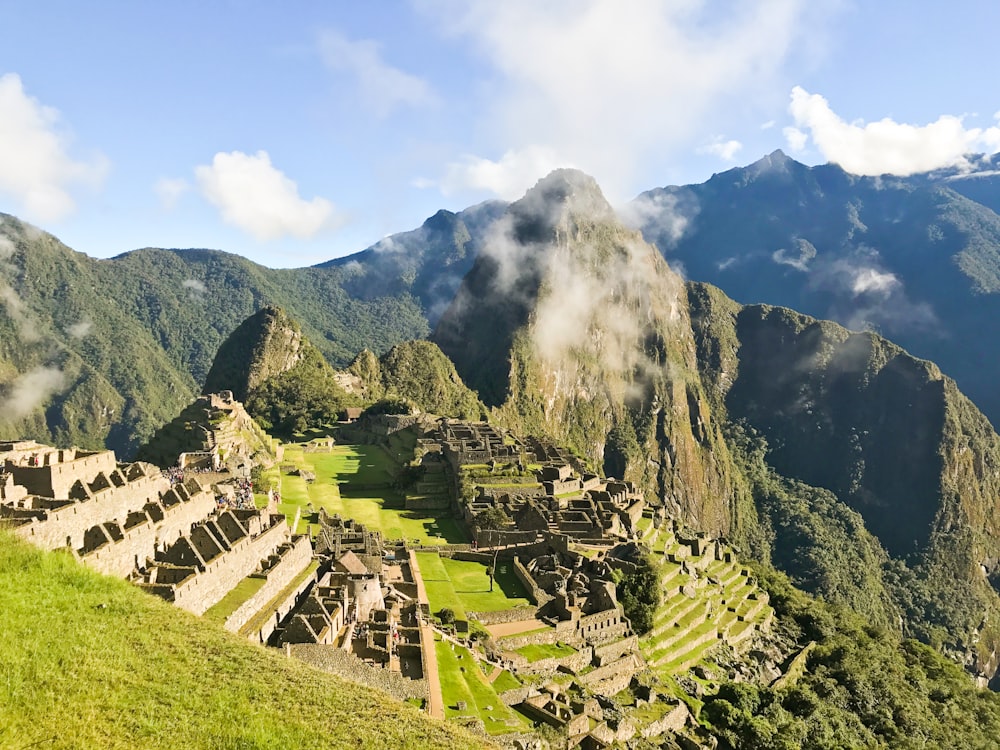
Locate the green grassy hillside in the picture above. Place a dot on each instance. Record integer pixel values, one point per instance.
(88, 661)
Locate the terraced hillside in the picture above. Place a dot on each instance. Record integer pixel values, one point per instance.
(708, 598)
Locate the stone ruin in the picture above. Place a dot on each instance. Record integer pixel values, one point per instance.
(587, 508)
(172, 538)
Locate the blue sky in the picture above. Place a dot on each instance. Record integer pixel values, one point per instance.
(297, 132)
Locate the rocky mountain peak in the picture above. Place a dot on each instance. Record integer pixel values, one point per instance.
(264, 345)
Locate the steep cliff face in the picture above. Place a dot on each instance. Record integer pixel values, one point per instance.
(887, 434)
(569, 325)
(263, 346)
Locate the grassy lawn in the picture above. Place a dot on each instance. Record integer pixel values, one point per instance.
(505, 681)
(463, 680)
(538, 651)
(353, 480)
(464, 586)
(232, 601)
(90, 661)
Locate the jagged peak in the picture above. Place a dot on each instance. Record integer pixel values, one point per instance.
(558, 198)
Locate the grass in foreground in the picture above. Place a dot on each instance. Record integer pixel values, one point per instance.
(89, 661)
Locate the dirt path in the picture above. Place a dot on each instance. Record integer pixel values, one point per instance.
(513, 628)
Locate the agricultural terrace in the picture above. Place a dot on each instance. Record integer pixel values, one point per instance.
(357, 481)
(464, 682)
(464, 586)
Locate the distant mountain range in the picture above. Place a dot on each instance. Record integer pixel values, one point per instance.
(104, 351)
(914, 258)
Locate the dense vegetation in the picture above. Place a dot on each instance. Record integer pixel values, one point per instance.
(301, 398)
(418, 374)
(859, 686)
(639, 593)
(91, 661)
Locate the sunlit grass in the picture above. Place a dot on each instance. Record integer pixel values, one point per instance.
(88, 661)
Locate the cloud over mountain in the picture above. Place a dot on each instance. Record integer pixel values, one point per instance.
(608, 85)
(886, 146)
(256, 197)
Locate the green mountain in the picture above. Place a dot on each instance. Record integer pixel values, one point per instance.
(857, 468)
(102, 352)
(872, 474)
(284, 381)
(916, 258)
(570, 326)
(419, 372)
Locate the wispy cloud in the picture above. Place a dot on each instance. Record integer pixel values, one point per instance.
(382, 87)
(80, 329)
(27, 328)
(724, 149)
(36, 168)
(608, 85)
(507, 177)
(256, 197)
(867, 295)
(169, 190)
(7, 248)
(886, 146)
(29, 391)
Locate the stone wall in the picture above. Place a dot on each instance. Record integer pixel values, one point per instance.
(438, 502)
(672, 721)
(67, 525)
(618, 673)
(201, 591)
(575, 662)
(542, 637)
(56, 477)
(539, 597)
(350, 667)
(514, 614)
(293, 561)
(119, 557)
(609, 652)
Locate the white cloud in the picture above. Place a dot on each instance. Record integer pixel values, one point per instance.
(30, 390)
(169, 190)
(27, 328)
(36, 169)
(768, 125)
(383, 88)
(725, 150)
(7, 248)
(795, 139)
(257, 198)
(868, 280)
(80, 329)
(195, 287)
(508, 177)
(661, 212)
(886, 146)
(608, 85)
